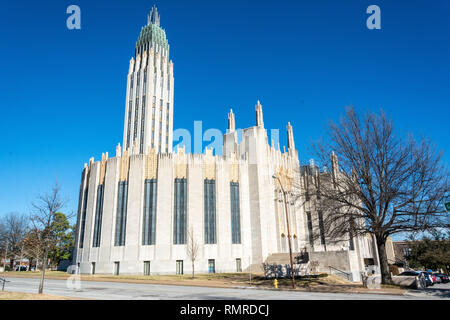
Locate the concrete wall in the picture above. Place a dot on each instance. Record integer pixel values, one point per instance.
(337, 259)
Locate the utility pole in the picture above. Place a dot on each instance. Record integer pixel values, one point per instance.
(288, 231)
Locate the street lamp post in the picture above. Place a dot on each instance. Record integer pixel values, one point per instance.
(288, 231)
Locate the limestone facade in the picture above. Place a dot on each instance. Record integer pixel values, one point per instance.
(136, 208)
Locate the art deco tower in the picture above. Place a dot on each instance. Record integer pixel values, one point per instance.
(149, 101)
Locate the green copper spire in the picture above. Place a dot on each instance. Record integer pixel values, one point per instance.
(152, 34)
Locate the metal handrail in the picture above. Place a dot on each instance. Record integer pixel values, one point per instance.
(348, 275)
(4, 281)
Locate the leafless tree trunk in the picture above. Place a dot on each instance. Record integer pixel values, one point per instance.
(42, 217)
(383, 184)
(192, 248)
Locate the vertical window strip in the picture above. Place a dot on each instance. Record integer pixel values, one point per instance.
(121, 213)
(183, 211)
(145, 226)
(98, 216)
(310, 229)
(351, 242)
(322, 228)
(235, 213)
(153, 213)
(124, 215)
(351, 235)
(149, 226)
(83, 217)
(180, 215)
(177, 209)
(206, 210)
(238, 215)
(210, 211)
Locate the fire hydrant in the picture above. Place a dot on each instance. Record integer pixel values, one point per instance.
(275, 283)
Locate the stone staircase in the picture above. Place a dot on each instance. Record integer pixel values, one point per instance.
(280, 258)
(275, 258)
(280, 263)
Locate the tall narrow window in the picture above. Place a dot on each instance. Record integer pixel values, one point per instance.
(130, 108)
(142, 125)
(83, 217)
(136, 116)
(149, 225)
(121, 217)
(145, 80)
(351, 242)
(146, 268)
(98, 216)
(179, 266)
(210, 211)
(310, 229)
(211, 266)
(179, 225)
(235, 213)
(321, 228)
(238, 265)
(351, 236)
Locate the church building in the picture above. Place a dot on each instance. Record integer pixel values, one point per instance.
(140, 210)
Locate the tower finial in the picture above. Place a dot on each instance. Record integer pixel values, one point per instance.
(290, 136)
(231, 121)
(259, 115)
(153, 17)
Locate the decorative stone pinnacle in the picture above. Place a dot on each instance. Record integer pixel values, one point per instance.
(153, 17)
(259, 115)
(231, 121)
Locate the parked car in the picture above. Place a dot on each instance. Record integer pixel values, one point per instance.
(433, 277)
(444, 277)
(438, 279)
(22, 268)
(428, 279)
(429, 275)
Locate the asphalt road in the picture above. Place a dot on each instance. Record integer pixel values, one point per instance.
(132, 291)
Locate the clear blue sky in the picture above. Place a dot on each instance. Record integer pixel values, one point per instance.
(63, 91)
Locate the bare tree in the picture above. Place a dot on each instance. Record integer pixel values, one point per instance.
(42, 217)
(3, 244)
(33, 248)
(192, 248)
(14, 226)
(383, 184)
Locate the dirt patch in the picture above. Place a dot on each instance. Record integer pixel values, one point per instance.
(7, 295)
